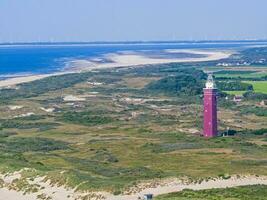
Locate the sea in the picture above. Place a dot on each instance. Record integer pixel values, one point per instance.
(26, 59)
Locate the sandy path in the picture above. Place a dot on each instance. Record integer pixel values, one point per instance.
(121, 60)
(176, 186)
(156, 188)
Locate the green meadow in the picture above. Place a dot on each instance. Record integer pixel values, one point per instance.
(259, 86)
(235, 92)
(240, 74)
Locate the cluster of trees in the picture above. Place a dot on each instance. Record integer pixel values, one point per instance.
(239, 78)
(234, 86)
(234, 72)
(186, 82)
(86, 118)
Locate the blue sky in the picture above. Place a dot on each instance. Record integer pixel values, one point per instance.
(124, 20)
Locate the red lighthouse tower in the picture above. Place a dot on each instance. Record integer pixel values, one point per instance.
(210, 108)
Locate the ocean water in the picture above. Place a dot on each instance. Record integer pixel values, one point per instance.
(35, 59)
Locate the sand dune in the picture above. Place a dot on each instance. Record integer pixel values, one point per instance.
(154, 187)
(135, 59)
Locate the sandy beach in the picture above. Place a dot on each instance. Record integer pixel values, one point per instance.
(156, 187)
(136, 59)
(120, 60)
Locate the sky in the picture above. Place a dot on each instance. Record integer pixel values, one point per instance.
(131, 20)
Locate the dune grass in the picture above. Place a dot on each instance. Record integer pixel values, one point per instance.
(257, 192)
(123, 134)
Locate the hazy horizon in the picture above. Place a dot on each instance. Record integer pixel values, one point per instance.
(123, 21)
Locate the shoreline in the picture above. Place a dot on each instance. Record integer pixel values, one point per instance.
(120, 60)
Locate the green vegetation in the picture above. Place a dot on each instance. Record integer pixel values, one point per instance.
(240, 74)
(141, 123)
(38, 87)
(234, 86)
(259, 86)
(255, 96)
(86, 118)
(255, 132)
(186, 82)
(235, 92)
(257, 192)
(20, 145)
(259, 111)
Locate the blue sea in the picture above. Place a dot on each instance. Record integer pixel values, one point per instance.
(36, 59)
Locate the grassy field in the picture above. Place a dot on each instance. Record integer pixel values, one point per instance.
(235, 92)
(123, 131)
(259, 86)
(239, 193)
(241, 74)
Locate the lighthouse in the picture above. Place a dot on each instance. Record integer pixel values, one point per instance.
(210, 108)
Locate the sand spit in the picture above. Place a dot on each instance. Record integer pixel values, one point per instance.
(157, 187)
(11, 82)
(19, 80)
(120, 60)
(134, 59)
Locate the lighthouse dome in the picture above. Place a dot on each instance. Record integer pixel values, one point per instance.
(210, 84)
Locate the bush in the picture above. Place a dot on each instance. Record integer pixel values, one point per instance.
(21, 144)
(85, 118)
(255, 96)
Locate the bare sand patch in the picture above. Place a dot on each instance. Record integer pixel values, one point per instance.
(14, 107)
(72, 98)
(48, 110)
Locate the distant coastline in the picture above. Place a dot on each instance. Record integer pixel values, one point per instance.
(121, 59)
(139, 42)
(46, 57)
(25, 62)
